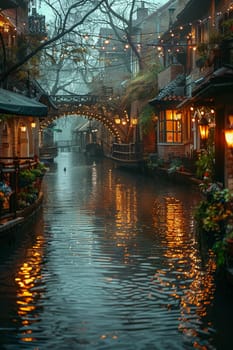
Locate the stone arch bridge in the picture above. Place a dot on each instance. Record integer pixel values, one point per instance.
(104, 109)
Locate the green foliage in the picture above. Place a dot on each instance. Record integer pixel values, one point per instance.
(147, 118)
(216, 210)
(40, 166)
(214, 216)
(228, 29)
(26, 198)
(174, 165)
(205, 165)
(220, 253)
(202, 50)
(26, 177)
(155, 163)
(144, 85)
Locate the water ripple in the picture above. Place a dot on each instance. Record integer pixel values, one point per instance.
(114, 264)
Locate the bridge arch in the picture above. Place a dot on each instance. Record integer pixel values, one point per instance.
(86, 106)
(91, 107)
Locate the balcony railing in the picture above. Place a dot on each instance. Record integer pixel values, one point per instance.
(36, 25)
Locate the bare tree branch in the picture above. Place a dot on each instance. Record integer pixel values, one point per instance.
(64, 32)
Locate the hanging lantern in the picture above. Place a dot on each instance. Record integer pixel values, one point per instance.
(23, 128)
(204, 128)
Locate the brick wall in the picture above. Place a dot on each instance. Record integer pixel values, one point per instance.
(169, 74)
(165, 151)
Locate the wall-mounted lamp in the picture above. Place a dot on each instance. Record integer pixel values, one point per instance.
(204, 128)
(23, 128)
(229, 133)
(33, 125)
(134, 121)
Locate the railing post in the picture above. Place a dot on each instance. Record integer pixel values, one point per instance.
(14, 186)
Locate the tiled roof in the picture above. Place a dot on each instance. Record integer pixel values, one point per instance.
(221, 79)
(173, 92)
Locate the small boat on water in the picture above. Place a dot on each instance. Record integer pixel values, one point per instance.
(128, 155)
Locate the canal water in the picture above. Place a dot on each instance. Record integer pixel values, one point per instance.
(112, 262)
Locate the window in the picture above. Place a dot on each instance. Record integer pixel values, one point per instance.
(170, 127)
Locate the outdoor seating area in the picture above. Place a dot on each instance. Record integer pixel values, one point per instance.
(20, 183)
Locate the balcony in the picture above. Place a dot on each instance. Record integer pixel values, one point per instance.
(36, 24)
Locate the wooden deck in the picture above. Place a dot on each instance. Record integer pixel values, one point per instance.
(127, 155)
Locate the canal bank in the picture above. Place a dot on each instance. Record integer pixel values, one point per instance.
(12, 226)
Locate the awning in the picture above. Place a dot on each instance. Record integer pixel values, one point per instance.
(219, 83)
(216, 87)
(194, 10)
(13, 103)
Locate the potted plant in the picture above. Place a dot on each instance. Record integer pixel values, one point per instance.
(205, 165)
(26, 177)
(5, 193)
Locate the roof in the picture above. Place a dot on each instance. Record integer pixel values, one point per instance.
(172, 94)
(7, 4)
(220, 82)
(217, 86)
(16, 104)
(195, 10)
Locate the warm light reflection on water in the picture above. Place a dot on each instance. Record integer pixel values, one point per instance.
(191, 285)
(28, 279)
